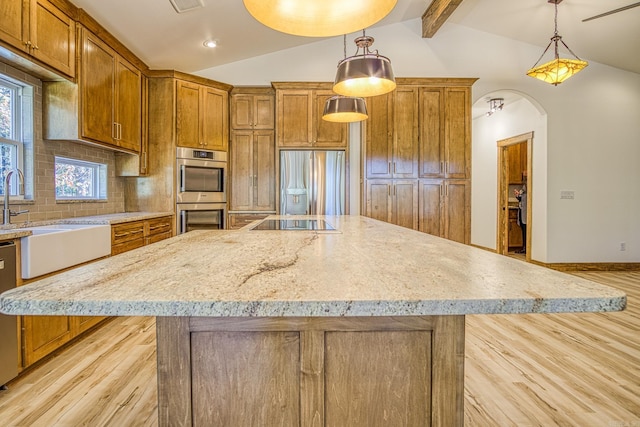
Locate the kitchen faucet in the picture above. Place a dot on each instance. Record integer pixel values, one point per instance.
(6, 212)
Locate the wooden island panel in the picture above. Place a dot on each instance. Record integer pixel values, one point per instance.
(359, 371)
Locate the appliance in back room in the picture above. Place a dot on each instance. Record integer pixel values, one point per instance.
(312, 182)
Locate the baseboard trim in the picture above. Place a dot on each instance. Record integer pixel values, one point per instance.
(580, 266)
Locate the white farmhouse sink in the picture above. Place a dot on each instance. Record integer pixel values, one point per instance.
(55, 247)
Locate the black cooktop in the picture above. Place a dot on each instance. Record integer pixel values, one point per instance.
(293, 224)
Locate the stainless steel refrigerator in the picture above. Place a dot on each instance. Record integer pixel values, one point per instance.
(312, 182)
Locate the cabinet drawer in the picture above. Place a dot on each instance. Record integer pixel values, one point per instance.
(158, 237)
(127, 246)
(127, 232)
(159, 226)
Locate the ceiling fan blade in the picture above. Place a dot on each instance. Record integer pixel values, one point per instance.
(611, 12)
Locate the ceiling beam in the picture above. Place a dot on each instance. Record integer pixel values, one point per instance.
(436, 15)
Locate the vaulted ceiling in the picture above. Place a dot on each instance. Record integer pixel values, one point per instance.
(165, 39)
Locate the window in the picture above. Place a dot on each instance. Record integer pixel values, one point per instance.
(80, 180)
(11, 147)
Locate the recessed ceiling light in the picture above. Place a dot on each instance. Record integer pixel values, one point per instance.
(210, 43)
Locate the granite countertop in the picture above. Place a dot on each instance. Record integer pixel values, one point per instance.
(366, 268)
(15, 231)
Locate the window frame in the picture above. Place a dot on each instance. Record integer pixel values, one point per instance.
(99, 179)
(15, 139)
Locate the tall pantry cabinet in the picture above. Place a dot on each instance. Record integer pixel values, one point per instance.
(252, 155)
(417, 156)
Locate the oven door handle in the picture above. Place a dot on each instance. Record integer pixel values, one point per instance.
(183, 177)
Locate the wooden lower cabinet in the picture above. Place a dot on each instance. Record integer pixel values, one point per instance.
(444, 208)
(394, 201)
(136, 234)
(41, 335)
(396, 371)
(515, 231)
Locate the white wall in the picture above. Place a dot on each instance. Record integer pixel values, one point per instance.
(518, 117)
(592, 141)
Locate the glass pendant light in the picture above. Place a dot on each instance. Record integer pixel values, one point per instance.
(368, 74)
(319, 18)
(558, 69)
(345, 109)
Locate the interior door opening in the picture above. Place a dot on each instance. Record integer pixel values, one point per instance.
(515, 176)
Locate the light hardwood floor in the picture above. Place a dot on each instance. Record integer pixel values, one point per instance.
(521, 370)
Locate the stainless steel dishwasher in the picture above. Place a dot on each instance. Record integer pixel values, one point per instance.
(8, 324)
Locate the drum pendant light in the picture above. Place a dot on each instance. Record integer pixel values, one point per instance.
(368, 74)
(558, 69)
(345, 109)
(319, 18)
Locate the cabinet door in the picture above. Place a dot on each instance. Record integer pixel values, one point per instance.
(431, 156)
(294, 118)
(379, 134)
(264, 170)
(379, 200)
(326, 134)
(457, 211)
(43, 334)
(457, 133)
(430, 195)
(405, 204)
(128, 105)
(405, 150)
(14, 25)
(515, 166)
(214, 121)
(97, 85)
(241, 164)
(242, 111)
(53, 37)
(252, 111)
(188, 114)
(264, 112)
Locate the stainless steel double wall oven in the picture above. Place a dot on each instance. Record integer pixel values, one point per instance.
(201, 202)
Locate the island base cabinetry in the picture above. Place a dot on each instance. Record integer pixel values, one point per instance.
(359, 371)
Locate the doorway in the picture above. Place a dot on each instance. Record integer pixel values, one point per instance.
(514, 173)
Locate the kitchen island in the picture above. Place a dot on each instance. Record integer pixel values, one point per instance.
(362, 325)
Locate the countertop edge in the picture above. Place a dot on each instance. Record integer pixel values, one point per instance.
(250, 309)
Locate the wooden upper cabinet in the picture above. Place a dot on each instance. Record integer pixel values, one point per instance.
(379, 136)
(53, 37)
(326, 134)
(392, 135)
(252, 111)
(41, 30)
(111, 96)
(517, 163)
(457, 134)
(431, 153)
(445, 135)
(201, 116)
(299, 120)
(405, 144)
(215, 119)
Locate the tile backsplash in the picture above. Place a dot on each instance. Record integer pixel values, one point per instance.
(44, 205)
